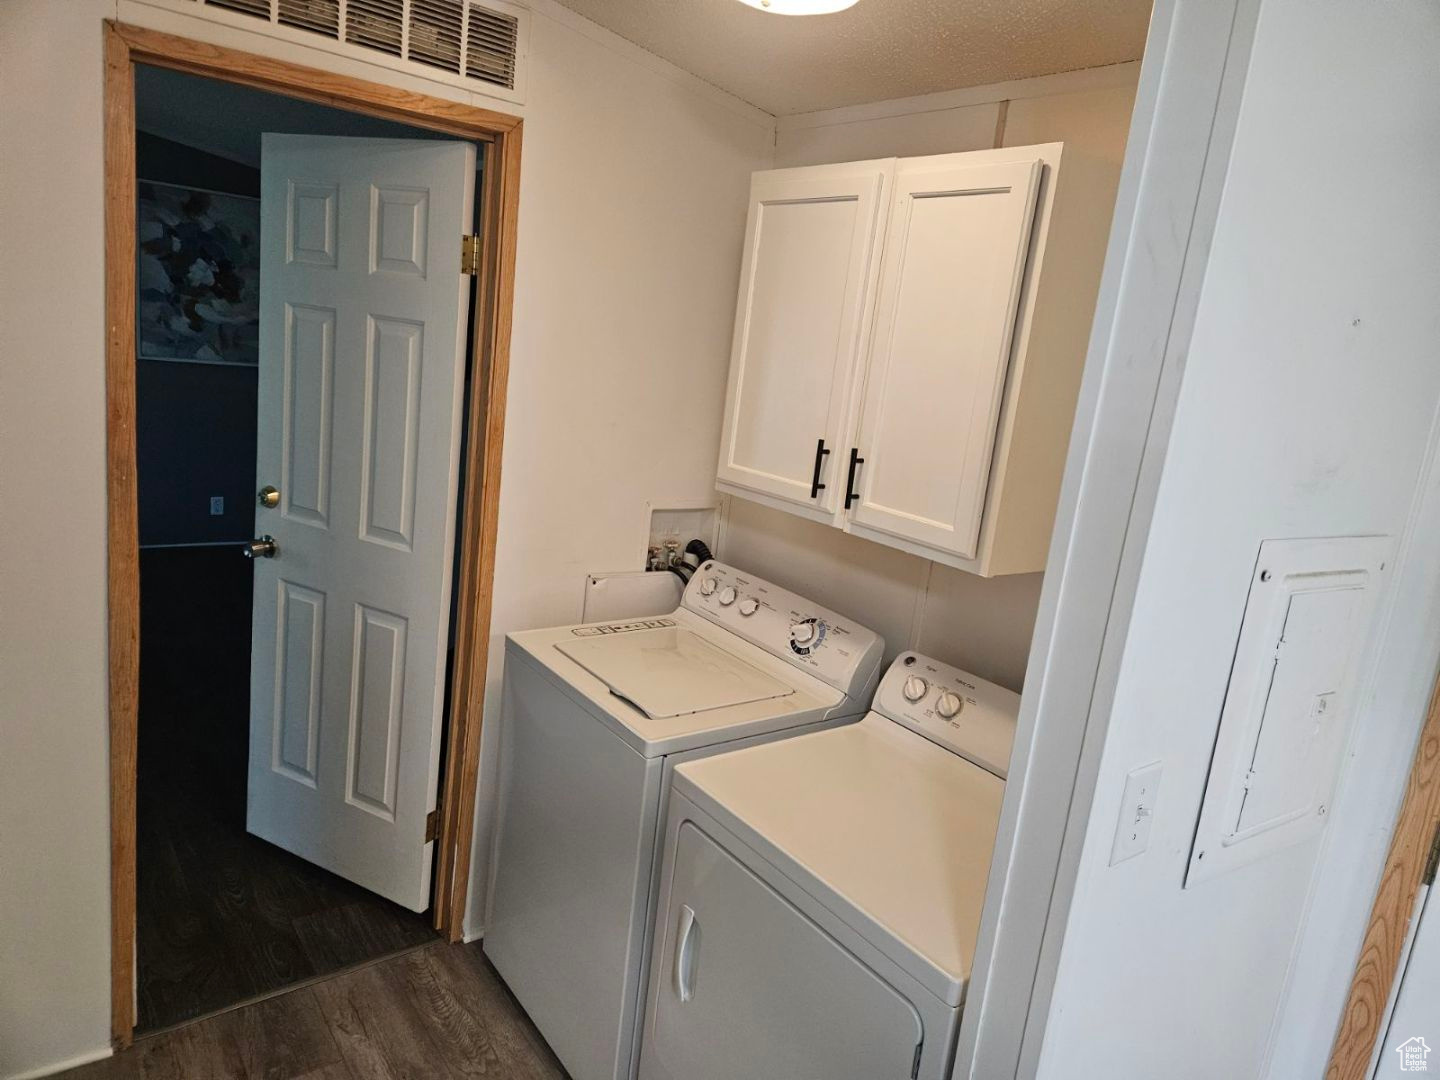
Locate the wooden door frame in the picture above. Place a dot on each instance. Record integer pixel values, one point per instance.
(124, 47)
(1394, 907)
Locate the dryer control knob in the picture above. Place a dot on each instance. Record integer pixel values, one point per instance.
(802, 633)
(915, 688)
(707, 586)
(949, 705)
(749, 606)
(727, 595)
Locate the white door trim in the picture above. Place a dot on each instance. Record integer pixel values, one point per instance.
(1186, 108)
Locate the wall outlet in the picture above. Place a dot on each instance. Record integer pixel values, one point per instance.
(1137, 812)
(217, 505)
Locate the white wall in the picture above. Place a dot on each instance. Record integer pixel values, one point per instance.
(631, 218)
(1306, 410)
(982, 625)
(624, 296)
(54, 749)
(1090, 109)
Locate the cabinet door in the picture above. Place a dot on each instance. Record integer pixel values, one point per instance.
(955, 254)
(747, 986)
(810, 259)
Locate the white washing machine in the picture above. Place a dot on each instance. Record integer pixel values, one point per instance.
(594, 719)
(820, 897)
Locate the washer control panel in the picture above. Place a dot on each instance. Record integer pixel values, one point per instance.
(815, 639)
(962, 712)
(600, 629)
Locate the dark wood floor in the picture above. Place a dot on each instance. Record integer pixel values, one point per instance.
(221, 916)
(438, 1012)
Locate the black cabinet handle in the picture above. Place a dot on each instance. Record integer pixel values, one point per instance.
(820, 452)
(855, 462)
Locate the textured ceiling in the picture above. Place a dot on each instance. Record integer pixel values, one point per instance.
(878, 49)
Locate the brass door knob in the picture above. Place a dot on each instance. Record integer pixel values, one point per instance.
(262, 547)
(269, 497)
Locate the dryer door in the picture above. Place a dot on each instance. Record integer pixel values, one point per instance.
(748, 986)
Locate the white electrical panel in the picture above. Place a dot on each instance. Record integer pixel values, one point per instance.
(1290, 701)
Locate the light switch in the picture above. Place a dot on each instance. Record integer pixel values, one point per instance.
(1137, 812)
(217, 505)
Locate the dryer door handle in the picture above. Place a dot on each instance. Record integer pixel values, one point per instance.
(685, 953)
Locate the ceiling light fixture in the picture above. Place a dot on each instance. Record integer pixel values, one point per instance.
(800, 7)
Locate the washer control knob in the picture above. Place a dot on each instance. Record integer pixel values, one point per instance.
(802, 633)
(707, 586)
(749, 606)
(727, 595)
(949, 705)
(915, 688)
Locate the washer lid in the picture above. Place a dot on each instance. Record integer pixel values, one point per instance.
(672, 671)
(888, 830)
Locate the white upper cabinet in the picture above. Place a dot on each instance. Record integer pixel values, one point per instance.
(949, 288)
(809, 267)
(935, 346)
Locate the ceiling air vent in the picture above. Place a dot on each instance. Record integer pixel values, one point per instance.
(258, 8)
(492, 46)
(376, 24)
(436, 27)
(317, 16)
(478, 46)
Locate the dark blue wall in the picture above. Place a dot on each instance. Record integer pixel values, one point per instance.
(195, 423)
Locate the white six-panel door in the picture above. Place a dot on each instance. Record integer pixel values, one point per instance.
(809, 262)
(363, 316)
(955, 253)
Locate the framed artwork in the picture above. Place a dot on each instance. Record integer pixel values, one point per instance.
(198, 277)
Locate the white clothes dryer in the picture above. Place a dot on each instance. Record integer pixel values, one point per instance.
(820, 897)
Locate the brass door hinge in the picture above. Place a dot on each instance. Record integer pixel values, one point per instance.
(470, 254)
(1433, 863)
(432, 826)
